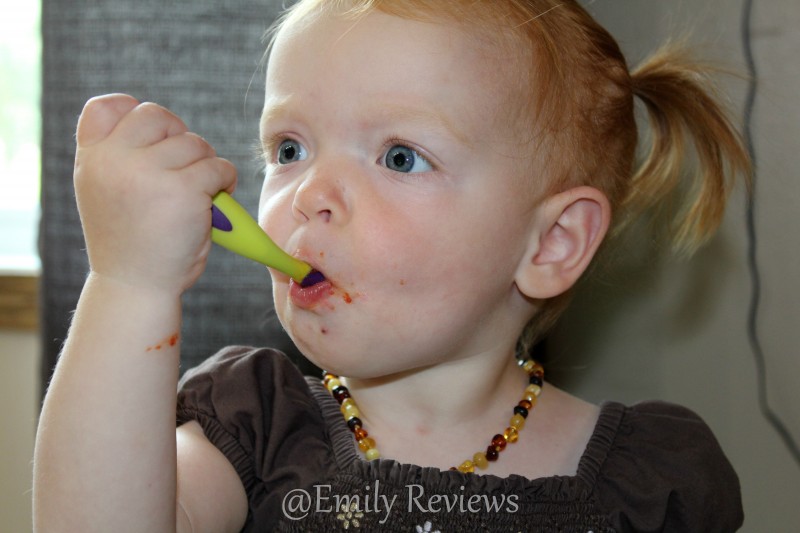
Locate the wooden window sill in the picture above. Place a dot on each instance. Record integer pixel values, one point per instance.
(19, 302)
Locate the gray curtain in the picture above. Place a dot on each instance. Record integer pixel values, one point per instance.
(200, 58)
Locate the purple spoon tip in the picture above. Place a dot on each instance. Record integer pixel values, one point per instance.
(219, 220)
(312, 278)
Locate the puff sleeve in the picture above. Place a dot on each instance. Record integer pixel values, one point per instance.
(665, 471)
(255, 407)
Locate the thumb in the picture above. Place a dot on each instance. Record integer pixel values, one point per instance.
(101, 115)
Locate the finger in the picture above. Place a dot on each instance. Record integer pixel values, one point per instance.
(101, 115)
(212, 175)
(147, 124)
(180, 151)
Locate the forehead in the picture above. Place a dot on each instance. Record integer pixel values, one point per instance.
(435, 63)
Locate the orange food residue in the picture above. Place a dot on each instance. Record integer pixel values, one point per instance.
(172, 340)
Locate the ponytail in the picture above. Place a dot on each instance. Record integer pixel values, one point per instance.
(682, 105)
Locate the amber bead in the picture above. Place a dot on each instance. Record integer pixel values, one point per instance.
(360, 433)
(340, 393)
(491, 453)
(332, 383)
(536, 380)
(466, 467)
(499, 442)
(518, 421)
(526, 404)
(354, 423)
(537, 370)
(528, 365)
(536, 390)
(531, 397)
(519, 410)
(372, 454)
(479, 460)
(326, 377)
(366, 444)
(511, 434)
(349, 409)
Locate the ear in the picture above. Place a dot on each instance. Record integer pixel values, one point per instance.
(571, 226)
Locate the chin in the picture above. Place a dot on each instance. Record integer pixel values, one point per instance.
(334, 353)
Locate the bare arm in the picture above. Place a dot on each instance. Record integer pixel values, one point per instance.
(211, 497)
(105, 457)
(105, 451)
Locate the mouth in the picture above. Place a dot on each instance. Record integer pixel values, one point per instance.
(310, 296)
(311, 291)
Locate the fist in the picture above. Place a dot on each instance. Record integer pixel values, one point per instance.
(144, 186)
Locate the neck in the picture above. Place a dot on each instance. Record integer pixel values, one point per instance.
(436, 396)
(444, 418)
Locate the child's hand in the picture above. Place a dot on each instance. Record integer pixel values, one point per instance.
(144, 186)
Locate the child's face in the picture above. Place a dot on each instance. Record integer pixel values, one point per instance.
(392, 169)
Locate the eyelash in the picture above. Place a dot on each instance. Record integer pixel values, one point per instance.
(395, 140)
(270, 146)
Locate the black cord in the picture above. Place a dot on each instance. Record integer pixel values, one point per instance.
(752, 258)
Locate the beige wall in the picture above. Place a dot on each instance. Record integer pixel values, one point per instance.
(19, 406)
(658, 328)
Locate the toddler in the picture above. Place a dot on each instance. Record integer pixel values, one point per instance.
(451, 168)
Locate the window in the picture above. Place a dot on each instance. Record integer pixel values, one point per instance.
(20, 127)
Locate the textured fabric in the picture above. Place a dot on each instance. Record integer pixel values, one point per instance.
(199, 58)
(650, 467)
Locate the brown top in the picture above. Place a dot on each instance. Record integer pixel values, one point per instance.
(650, 467)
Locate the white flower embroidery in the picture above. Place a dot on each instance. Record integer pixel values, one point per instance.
(350, 517)
(427, 527)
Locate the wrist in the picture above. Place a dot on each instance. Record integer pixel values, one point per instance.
(134, 289)
(115, 313)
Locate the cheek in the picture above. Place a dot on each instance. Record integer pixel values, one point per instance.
(435, 261)
(395, 251)
(274, 208)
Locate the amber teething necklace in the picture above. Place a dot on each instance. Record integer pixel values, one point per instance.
(481, 459)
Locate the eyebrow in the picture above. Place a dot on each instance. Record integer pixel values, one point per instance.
(425, 117)
(273, 112)
(377, 112)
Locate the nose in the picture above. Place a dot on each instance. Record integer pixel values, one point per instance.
(321, 196)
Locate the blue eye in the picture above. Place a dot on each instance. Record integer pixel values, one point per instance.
(290, 151)
(403, 159)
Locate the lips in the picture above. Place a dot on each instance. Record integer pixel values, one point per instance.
(312, 291)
